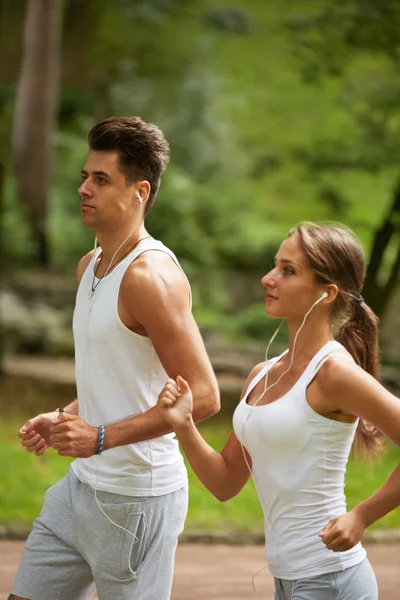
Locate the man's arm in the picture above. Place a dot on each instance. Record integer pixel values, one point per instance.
(72, 408)
(155, 296)
(154, 300)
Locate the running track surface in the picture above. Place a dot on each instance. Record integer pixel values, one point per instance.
(215, 572)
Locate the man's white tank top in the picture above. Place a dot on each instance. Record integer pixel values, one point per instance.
(298, 462)
(119, 375)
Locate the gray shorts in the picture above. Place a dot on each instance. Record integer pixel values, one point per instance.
(74, 549)
(354, 583)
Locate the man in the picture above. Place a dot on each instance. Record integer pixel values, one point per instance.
(114, 520)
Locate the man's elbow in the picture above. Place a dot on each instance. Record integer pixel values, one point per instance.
(212, 409)
(223, 496)
(213, 405)
(207, 406)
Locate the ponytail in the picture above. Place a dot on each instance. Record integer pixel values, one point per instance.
(336, 257)
(360, 336)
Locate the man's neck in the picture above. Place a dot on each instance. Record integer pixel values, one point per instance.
(119, 242)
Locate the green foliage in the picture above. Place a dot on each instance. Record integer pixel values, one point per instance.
(330, 30)
(358, 44)
(16, 234)
(251, 322)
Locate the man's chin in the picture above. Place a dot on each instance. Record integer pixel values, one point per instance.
(87, 222)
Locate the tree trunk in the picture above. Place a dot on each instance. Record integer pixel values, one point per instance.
(377, 289)
(35, 115)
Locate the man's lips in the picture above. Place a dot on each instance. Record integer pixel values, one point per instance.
(271, 297)
(86, 206)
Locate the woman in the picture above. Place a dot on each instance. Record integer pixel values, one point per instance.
(297, 419)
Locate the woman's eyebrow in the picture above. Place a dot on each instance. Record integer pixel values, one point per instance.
(287, 261)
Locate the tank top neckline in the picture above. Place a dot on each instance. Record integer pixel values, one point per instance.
(308, 370)
(124, 261)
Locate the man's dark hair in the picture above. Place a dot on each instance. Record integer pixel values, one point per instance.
(143, 151)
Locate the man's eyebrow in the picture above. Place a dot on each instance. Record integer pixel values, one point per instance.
(102, 173)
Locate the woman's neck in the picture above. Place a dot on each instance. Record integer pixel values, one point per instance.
(313, 336)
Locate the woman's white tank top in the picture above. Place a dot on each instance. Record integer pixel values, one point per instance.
(119, 375)
(298, 461)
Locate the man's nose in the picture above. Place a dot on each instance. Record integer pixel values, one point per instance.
(85, 189)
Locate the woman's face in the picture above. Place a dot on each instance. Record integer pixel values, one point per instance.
(291, 286)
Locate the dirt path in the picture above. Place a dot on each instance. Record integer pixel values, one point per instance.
(225, 572)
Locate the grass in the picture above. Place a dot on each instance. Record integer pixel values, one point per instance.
(24, 479)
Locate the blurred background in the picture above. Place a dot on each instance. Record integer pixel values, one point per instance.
(275, 111)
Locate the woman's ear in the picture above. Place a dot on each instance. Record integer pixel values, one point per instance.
(332, 290)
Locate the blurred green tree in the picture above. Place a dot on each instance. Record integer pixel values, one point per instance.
(149, 57)
(358, 43)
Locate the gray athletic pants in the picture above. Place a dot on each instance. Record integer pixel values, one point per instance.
(354, 583)
(73, 548)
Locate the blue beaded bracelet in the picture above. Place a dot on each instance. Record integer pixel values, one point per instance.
(100, 443)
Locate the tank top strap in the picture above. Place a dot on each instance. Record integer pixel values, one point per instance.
(328, 356)
(330, 349)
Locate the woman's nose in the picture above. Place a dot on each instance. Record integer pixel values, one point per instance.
(268, 280)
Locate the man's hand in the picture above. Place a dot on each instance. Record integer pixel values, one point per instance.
(344, 532)
(72, 436)
(35, 434)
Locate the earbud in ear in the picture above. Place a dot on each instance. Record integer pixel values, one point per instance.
(139, 198)
(324, 295)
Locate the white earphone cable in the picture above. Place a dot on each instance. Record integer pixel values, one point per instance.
(124, 242)
(135, 538)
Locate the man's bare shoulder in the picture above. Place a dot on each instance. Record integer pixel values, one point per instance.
(153, 268)
(155, 274)
(83, 264)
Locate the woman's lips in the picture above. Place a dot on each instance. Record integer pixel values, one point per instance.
(271, 297)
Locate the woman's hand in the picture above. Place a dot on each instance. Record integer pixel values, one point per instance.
(344, 532)
(175, 402)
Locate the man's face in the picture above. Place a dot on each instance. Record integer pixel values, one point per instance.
(108, 200)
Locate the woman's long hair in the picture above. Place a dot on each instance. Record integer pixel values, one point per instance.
(336, 257)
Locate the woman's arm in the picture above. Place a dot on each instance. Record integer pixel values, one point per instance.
(351, 390)
(223, 474)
